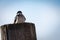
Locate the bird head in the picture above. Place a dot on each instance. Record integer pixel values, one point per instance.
(19, 12)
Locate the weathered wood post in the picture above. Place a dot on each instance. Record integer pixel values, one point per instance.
(21, 31)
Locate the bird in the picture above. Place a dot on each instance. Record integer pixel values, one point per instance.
(19, 18)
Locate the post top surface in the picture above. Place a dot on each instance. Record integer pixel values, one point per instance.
(26, 23)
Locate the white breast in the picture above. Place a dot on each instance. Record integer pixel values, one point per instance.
(20, 19)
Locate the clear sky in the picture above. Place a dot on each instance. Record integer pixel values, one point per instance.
(45, 15)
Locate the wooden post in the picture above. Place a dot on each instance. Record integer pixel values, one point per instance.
(21, 31)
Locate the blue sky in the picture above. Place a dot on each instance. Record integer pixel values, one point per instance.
(45, 15)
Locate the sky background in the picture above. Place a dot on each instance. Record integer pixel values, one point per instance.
(44, 14)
